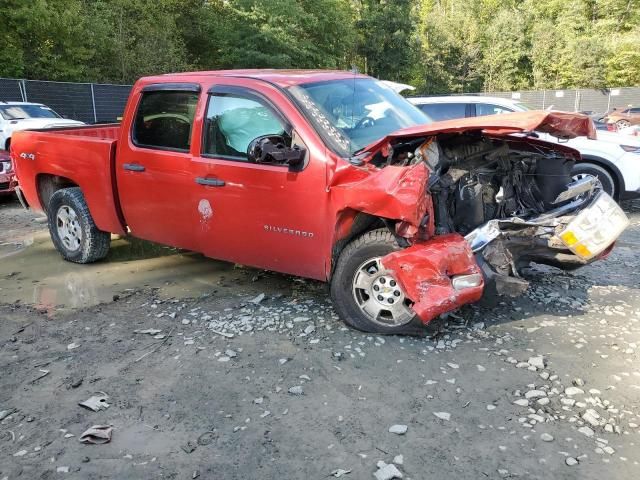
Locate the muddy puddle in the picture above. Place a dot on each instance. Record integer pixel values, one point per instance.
(37, 275)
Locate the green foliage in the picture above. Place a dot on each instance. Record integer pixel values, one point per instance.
(437, 45)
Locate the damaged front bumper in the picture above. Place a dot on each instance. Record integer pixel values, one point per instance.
(437, 275)
(573, 235)
(448, 271)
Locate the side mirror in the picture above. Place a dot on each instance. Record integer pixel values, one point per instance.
(272, 150)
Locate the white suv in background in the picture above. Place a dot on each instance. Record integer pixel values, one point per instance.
(613, 158)
(16, 116)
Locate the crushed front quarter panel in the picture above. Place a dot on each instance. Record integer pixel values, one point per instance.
(394, 192)
(425, 272)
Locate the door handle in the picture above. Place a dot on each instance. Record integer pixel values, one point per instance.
(210, 182)
(134, 167)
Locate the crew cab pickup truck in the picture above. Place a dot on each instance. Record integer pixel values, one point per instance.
(326, 175)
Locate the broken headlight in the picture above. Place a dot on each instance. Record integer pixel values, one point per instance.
(595, 228)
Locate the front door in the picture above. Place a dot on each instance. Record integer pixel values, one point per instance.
(153, 169)
(255, 214)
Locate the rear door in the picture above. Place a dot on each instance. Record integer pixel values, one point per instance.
(445, 111)
(153, 166)
(255, 214)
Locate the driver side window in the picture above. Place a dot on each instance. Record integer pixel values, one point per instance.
(164, 120)
(233, 120)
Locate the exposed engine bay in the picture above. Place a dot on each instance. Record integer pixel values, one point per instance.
(512, 197)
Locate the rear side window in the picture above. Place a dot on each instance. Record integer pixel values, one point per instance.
(444, 111)
(234, 120)
(164, 120)
(483, 109)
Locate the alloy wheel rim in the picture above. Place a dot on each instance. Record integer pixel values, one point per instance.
(379, 296)
(68, 227)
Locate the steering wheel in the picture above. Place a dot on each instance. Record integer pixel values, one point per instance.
(364, 123)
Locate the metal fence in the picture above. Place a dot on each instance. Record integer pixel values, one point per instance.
(596, 101)
(87, 102)
(98, 103)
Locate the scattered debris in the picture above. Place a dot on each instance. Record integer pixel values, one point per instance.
(97, 434)
(73, 346)
(96, 402)
(43, 373)
(189, 447)
(340, 472)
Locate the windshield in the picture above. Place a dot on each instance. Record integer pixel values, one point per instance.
(350, 114)
(19, 112)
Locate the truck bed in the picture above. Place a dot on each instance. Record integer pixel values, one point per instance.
(107, 131)
(81, 156)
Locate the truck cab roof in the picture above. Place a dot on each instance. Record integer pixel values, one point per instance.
(280, 77)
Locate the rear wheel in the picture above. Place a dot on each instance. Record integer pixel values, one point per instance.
(583, 169)
(366, 296)
(623, 123)
(72, 229)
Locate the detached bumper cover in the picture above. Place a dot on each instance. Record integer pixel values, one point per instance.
(427, 271)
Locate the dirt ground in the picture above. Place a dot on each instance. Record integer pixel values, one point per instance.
(246, 374)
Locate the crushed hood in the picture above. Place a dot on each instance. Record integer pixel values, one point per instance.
(559, 124)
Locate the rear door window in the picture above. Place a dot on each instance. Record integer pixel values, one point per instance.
(444, 111)
(164, 120)
(483, 109)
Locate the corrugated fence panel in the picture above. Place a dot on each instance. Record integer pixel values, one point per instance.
(110, 101)
(596, 101)
(71, 100)
(10, 90)
(626, 97)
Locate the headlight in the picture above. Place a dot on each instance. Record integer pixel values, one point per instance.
(595, 228)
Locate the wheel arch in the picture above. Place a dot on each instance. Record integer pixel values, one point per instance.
(350, 224)
(611, 168)
(48, 184)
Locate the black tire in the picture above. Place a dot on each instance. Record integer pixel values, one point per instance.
(370, 245)
(607, 181)
(89, 244)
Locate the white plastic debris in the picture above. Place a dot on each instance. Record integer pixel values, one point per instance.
(96, 402)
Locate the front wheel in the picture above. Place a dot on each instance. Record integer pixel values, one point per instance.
(365, 295)
(583, 169)
(72, 229)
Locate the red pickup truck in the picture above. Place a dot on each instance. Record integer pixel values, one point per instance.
(326, 175)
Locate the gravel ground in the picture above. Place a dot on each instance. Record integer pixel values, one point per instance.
(221, 372)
